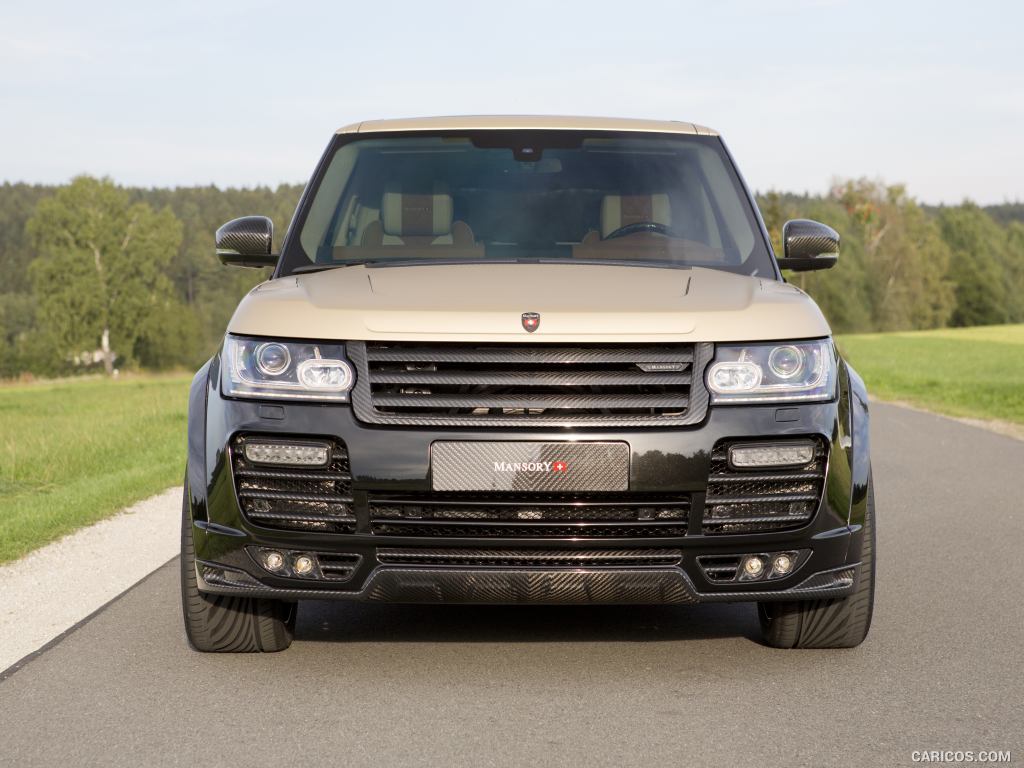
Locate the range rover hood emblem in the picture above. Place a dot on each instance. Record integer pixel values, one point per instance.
(531, 321)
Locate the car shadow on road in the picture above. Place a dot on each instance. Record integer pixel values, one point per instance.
(359, 622)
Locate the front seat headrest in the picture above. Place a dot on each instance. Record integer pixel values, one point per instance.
(619, 210)
(416, 215)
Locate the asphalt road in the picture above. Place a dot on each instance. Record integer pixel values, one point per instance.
(389, 685)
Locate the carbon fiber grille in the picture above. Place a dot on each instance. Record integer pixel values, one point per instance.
(530, 515)
(309, 499)
(531, 558)
(740, 501)
(529, 384)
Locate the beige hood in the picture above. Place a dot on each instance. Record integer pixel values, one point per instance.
(485, 302)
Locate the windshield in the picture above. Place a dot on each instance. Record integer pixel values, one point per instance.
(659, 199)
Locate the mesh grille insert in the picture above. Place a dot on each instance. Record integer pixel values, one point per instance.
(741, 501)
(530, 515)
(296, 499)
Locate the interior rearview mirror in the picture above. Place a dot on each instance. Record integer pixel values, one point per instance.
(246, 242)
(808, 245)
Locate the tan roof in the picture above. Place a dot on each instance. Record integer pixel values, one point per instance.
(475, 122)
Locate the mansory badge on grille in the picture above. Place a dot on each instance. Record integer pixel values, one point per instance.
(529, 466)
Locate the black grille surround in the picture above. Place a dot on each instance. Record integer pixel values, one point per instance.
(756, 501)
(530, 515)
(529, 384)
(293, 498)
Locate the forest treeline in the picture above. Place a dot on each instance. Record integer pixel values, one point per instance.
(91, 266)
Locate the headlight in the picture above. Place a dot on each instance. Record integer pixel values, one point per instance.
(285, 370)
(769, 373)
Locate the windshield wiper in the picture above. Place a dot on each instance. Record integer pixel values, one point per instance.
(321, 267)
(615, 263)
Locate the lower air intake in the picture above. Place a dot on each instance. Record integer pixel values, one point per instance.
(295, 498)
(748, 501)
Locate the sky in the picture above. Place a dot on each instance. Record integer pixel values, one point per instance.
(930, 94)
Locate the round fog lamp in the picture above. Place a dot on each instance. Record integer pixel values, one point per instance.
(753, 566)
(274, 561)
(272, 359)
(782, 564)
(303, 565)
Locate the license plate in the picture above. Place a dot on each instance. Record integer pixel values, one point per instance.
(529, 466)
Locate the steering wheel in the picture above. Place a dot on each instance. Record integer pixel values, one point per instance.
(639, 226)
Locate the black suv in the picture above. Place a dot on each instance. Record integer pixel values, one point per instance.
(527, 360)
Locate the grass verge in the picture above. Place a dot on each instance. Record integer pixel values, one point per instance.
(75, 451)
(969, 372)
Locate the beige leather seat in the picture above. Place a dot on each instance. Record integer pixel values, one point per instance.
(415, 219)
(621, 210)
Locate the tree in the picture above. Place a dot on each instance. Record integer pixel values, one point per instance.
(101, 266)
(905, 259)
(978, 245)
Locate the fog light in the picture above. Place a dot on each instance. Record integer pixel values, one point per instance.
(303, 565)
(753, 567)
(776, 455)
(782, 564)
(273, 561)
(292, 454)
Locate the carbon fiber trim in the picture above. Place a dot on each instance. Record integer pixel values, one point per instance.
(808, 244)
(838, 582)
(529, 466)
(585, 409)
(503, 586)
(247, 236)
(516, 353)
(610, 378)
(610, 585)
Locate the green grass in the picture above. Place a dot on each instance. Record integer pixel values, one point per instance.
(973, 372)
(75, 451)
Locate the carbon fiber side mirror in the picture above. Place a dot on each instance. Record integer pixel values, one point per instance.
(246, 242)
(809, 245)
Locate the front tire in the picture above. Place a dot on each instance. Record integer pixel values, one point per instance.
(838, 623)
(228, 623)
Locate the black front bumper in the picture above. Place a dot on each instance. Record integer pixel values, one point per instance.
(386, 460)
